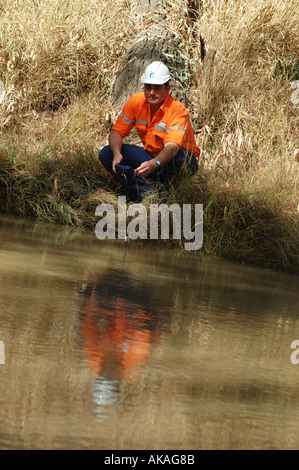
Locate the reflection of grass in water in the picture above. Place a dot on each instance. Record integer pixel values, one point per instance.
(58, 75)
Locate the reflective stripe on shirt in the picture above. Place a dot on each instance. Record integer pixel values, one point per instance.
(126, 119)
(170, 127)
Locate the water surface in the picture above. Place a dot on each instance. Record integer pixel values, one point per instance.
(110, 345)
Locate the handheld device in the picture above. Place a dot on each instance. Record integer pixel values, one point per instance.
(124, 170)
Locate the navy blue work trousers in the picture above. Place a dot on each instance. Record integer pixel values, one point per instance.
(133, 156)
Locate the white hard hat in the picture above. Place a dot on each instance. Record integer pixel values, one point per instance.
(156, 74)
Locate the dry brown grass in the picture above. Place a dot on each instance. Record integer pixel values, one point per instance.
(251, 127)
(53, 51)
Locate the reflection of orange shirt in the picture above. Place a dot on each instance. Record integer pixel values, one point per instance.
(171, 123)
(116, 342)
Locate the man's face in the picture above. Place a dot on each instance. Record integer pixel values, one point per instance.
(155, 94)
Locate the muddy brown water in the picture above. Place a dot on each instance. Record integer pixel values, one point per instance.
(109, 345)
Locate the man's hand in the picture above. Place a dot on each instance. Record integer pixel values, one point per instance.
(146, 168)
(166, 154)
(117, 158)
(115, 143)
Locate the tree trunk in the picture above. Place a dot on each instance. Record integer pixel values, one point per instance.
(157, 42)
(153, 43)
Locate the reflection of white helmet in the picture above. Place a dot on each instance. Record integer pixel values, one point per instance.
(156, 74)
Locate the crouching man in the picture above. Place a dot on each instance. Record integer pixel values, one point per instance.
(164, 127)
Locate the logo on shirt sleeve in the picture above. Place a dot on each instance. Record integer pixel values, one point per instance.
(162, 124)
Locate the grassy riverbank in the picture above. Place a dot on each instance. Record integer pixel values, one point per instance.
(58, 62)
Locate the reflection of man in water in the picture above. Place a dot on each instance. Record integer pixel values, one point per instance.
(118, 326)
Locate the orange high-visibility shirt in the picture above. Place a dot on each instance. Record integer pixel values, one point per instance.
(171, 123)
